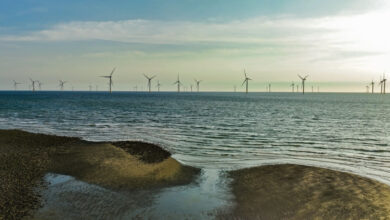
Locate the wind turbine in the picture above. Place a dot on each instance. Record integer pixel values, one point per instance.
(191, 87)
(269, 87)
(149, 81)
(178, 83)
(158, 86)
(110, 77)
(61, 85)
(372, 86)
(368, 89)
(197, 84)
(39, 85)
(246, 81)
(33, 84)
(303, 82)
(16, 84)
(384, 83)
(292, 86)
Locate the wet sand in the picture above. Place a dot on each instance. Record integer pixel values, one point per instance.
(126, 169)
(27, 157)
(302, 192)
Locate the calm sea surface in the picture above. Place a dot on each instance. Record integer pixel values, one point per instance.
(349, 132)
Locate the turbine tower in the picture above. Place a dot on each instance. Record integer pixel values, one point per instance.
(367, 89)
(158, 86)
(39, 85)
(384, 83)
(33, 84)
(178, 83)
(16, 84)
(149, 81)
(381, 84)
(292, 86)
(372, 86)
(111, 83)
(303, 83)
(246, 81)
(61, 85)
(197, 84)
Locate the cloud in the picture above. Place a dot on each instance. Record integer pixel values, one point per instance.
(366, 32)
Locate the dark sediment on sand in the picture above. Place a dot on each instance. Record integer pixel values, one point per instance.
(302, 192)
(26, 157)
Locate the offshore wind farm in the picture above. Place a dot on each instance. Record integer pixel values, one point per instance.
(194, 109)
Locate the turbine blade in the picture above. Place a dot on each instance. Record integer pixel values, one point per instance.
(113, 70)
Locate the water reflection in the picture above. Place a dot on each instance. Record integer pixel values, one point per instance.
(68, 198)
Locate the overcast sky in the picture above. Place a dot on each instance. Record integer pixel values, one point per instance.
(342, 45)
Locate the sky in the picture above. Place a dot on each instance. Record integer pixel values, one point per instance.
(341, 45)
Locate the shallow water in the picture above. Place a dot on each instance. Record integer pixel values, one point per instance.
(68, 198)
(222, 131)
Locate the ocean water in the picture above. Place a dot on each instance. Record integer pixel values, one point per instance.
(347, 132)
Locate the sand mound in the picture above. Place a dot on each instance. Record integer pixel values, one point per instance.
(302, 192)
(26, 157)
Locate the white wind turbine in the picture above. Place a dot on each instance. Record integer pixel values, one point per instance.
(61, 84)
(303, 82)
(16, 84)
(197, 84)
(383, 84)
(246, 81)
(178, 83)
(40, 85)
(372, 86)
(33, 84)
(149, 81)
(110, 83)
(158, 86)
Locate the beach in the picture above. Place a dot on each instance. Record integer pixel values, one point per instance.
(284, 191)
(300, 192)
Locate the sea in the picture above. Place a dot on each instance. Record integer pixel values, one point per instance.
(219, 131)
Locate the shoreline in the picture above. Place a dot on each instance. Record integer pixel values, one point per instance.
(265, 192)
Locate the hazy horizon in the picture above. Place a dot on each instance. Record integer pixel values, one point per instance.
(342, 46)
